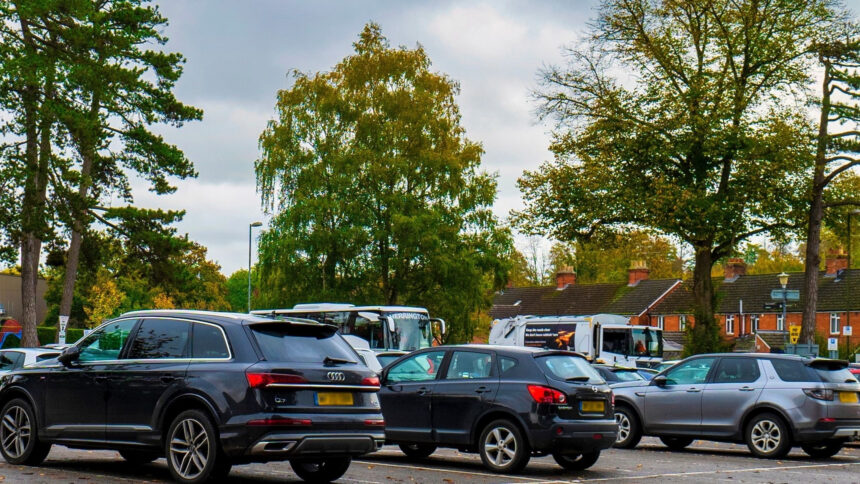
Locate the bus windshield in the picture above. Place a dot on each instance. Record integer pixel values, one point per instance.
(412, 331)
(646, 342)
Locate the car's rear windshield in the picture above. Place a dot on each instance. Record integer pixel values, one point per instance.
(629, 375)
(818, 371)
(567, 367)
(303, 343)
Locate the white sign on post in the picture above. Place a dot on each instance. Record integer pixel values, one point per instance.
(64, 321)
(832, 344)
(846, 331)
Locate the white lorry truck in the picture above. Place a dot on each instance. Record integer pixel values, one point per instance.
(605, 337)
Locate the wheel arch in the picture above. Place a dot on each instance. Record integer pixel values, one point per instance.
(181, 403)
(758, 410)
(12, 393)
(623, 402)
(496, 414)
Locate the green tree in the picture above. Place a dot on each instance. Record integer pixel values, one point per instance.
(687, 142)
(378, 194)
(237, 291)
(836, 147)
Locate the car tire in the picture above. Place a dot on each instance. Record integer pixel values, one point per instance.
(767, 436)
(577, 462)
(138, 457)
(822, 450)
(676, 443)
(322, 470)
(629, 429)
(192, 449)
(19, 435)
(495, 443)
(418, 451)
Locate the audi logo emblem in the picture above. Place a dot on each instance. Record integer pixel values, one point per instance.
(336, 376)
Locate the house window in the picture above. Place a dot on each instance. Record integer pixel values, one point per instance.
(754, 322)
(834, 323)
(730, 324)
(682, 322)
(660, 321)
(780, 322)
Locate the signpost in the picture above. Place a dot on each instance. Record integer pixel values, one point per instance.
(790, 294)
(64, 321)
(794, 334)
(833, 347)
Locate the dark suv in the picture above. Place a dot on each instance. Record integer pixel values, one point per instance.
(205, 390)
(506, 403)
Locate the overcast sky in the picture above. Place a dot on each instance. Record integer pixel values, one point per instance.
(238, 54)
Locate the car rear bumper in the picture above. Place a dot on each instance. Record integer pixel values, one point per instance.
(276, 446)
(575, 437)
(847, 430)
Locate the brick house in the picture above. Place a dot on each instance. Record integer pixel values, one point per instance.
(668, 303)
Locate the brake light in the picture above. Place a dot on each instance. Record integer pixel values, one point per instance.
(542, 394)
(819, 393)
(280, 422)
(370, 381)
(375, 422)
(260, 380)
(612, 395)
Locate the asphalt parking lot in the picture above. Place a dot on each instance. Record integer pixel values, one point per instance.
(702, 462)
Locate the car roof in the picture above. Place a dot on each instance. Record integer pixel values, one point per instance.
(781, 356)
(37, 351)
(509, 349)
(222, 317)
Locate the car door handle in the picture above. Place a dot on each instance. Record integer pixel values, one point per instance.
(693, 390)
(482, 390)
(423, 391)
(746, 389)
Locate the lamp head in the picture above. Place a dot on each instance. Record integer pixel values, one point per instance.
(783, 279)
(256, 224)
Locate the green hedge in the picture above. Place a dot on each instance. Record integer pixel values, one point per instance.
(47, 334)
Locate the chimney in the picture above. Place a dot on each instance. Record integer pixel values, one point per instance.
(565, 277)
(836, 261)
(735, 267)
(638, 272)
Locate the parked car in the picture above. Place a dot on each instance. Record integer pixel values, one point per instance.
(206, 390)
(13, 359)
(770, 402)
(666, 364)
(854, 368)
(619, 375)
(647, 373)
(505, 403)
(57, 346)
(375, 360)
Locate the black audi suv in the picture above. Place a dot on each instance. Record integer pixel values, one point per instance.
(506, 403)
(205, 390)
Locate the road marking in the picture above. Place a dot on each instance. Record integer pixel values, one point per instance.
(468, 473)
(702, 473)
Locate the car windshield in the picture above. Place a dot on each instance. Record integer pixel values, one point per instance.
(386, 360)
(628, 375)
(412, 331)
(647, 342)
(567, 367)
(307, 343)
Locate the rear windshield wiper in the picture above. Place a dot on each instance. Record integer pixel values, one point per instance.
(578, 378)
(329, 361)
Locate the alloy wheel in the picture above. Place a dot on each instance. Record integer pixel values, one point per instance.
(623, 427)
(15, 431)
(500, 445)
(766, 436)
(190, 448)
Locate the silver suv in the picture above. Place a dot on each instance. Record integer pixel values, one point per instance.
(771, 402)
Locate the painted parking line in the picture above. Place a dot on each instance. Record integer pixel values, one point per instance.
(705, 473)
(451, 471)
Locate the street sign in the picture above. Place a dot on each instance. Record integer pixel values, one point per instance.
(846, 331)
(64, 321)
(793, 334)
(832, 344)
(773, 306)
(790, 294)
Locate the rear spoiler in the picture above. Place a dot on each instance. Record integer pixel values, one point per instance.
(560, 352)
(308, 326)
(827, 364)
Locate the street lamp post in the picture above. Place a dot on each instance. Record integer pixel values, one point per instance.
(250, 228)
(783, 281)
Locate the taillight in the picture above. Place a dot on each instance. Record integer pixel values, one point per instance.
(370, 381)
(819, 393)
(280, 422)
(542, 394)
(374, 422)
(260, 380)
(612, 395)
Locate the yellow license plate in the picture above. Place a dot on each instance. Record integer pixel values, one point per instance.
(334, 398)
(592, 406)
(847, 397)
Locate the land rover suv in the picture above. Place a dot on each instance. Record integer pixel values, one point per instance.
(205, 390)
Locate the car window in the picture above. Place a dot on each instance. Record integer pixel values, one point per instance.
(737, 370)
(207, 341)
(690, 372)
(8, 359)
(301, 343)
(631, 375)
(607, 375)
(160, 338)
(386, 360)
(567, 367)
(106, 342)
(469, 365)
(420, 367)
(507, 364)
(46, 356)
(793, 371)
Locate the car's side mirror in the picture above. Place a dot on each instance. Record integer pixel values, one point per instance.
(660, 381)
(69, 355)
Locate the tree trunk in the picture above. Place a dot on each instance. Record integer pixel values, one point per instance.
(703, 334)
(816, 213)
